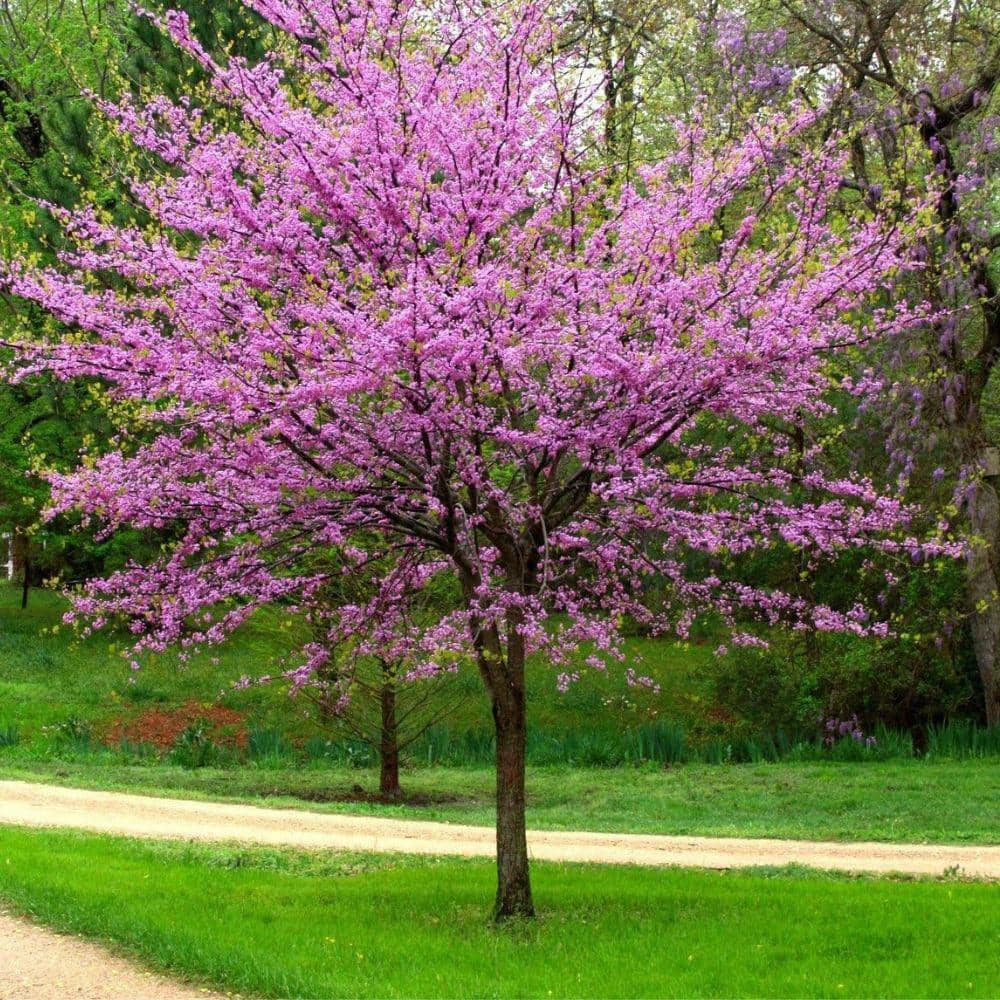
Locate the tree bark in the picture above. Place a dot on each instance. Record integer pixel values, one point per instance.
(513, 876)
(982, 581)
(389, 787)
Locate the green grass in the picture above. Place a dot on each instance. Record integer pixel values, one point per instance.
(275, 924)
(911, 800)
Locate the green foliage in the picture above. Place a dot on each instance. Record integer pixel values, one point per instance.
(42, 427)
(903, 683)
(770, 687)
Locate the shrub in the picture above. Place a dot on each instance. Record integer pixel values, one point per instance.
(769, 688)
(898, 682)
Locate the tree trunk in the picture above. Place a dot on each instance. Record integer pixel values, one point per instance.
(984, 600)
(389, 787)
(513, 877)
(502, 671)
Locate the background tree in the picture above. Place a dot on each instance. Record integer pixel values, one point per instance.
(372, 697)
(919, 84)
(914, 86)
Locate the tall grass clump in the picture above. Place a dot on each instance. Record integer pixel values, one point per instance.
(660, 742)
(961, 739)
(268, 746)
(349, 752)
(73, 734)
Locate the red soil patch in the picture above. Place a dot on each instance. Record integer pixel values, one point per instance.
(162, 726)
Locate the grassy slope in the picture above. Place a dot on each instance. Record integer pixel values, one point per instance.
(937, 801)
(49, 676)
(284, 925)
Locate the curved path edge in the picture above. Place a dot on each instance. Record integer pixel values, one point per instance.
(50, 806)
(39, 964)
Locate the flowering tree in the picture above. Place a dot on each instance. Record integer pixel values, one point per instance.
(395, 303)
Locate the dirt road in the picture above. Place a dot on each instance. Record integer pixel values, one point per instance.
(36, 964)
(28, 804)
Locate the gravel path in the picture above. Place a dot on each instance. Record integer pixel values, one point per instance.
(29, 804)
(36, 964)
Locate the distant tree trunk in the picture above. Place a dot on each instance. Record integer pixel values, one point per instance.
(982, 581)
(389, 787)
(509, 719)
(22, 557)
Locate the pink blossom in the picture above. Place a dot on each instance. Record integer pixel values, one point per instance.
(406, 323)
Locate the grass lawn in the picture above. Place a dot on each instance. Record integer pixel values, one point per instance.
(909, 800)
(280, 924)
